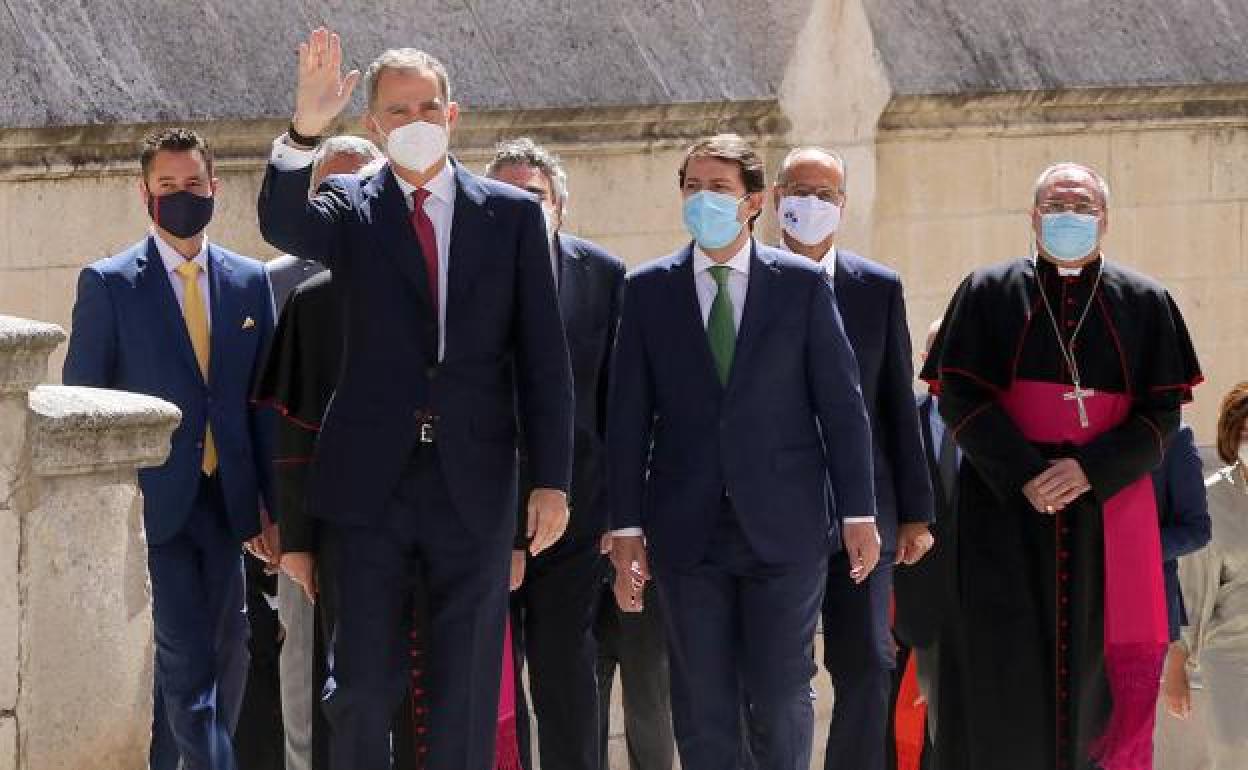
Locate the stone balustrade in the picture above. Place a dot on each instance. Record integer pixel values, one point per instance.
(75, 608)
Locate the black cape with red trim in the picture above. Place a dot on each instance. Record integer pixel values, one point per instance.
(1011, 703)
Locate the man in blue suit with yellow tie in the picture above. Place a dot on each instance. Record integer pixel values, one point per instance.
(736, 439)
(187, 321)
(454, 342)
(858, 643)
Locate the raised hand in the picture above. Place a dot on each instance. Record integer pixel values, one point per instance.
(322, 91)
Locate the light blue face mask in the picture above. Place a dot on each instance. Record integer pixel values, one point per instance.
(1069, 237)
(711, 218)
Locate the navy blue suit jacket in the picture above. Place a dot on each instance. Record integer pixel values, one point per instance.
(873, 309)
(129, 334)
(506, 356)
(1185, 527)
(591, 281)
(789, 422)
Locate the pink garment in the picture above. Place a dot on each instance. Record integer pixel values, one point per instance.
(1136, 631)
(507, 745)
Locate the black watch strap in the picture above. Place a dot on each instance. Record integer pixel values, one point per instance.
(300, 139)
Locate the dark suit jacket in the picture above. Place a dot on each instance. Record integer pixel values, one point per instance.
(790, 420)
(506, 355)
(926, 592)
(873, 310)
(590, 283)
(129, 334)
(1185, 527)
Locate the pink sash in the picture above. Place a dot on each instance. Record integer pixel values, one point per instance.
(1136, 630)
(507, 746)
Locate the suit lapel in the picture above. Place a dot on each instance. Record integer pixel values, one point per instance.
(224, 312)
(571, 268)
(469, 253)
(844, 278)
(159, 297)
(395, 235)
(757, 313)
(688, 320)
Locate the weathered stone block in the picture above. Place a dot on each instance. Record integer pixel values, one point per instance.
(8, 743)
(1186, 241)
(1230, 164)
(10, 609)
(88, 430)
(1160, 167)
(1023, 158)
(937, 177)
(24, 349)
(86, 626)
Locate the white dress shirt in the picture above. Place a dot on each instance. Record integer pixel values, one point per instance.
(738, 281)
(173, 259)
(440, 206)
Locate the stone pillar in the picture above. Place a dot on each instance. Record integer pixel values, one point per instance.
(75, 615)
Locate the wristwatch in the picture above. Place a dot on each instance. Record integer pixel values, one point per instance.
(308, 142)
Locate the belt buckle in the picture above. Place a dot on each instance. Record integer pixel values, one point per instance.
(426, 432)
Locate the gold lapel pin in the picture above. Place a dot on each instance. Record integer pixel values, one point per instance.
(249, 323)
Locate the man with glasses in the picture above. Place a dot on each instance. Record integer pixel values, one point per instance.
(1061, 377)
(809, 196)
(556, 592)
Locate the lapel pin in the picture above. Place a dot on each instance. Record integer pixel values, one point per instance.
(249, 323)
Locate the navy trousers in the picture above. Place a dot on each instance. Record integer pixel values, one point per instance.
(740, 629)
(553, 631)
(374, 573)
(859, 654)
(199, 614)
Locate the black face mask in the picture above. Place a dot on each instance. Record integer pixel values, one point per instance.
(182, 213)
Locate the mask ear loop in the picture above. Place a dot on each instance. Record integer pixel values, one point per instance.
(153, 204)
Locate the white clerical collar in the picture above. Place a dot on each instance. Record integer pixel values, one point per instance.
(173, 258)
(1065, 272)
(441, 186)
(740, 261)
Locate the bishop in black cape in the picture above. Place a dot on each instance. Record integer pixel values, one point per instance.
(1062, 628)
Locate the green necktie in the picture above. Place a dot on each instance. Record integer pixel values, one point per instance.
(721, 329)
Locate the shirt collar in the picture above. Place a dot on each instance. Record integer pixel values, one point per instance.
(172, 258)
(740, 261)
(828, 263)
(441, 186)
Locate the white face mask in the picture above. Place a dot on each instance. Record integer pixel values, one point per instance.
(418, 145)
(809, 220)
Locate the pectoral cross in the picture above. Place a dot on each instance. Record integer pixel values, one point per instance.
(1077, 395)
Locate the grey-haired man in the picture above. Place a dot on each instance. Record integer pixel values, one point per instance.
(554, 602)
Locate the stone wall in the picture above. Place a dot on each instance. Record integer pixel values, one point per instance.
(955, 180)
(75, 611)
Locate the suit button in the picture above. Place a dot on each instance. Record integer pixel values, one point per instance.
(199, 445)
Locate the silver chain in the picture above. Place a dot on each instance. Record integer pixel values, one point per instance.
(1068, 353)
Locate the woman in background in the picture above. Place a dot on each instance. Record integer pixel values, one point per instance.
(1215, 590)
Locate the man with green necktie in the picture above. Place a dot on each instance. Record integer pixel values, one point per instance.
(737, 442)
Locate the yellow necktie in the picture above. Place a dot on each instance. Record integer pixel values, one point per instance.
(196, 318)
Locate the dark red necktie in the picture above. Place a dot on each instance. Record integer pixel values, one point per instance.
(423, 226)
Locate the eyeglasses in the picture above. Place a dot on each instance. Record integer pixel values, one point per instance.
(1059, 207)
(825, 194)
